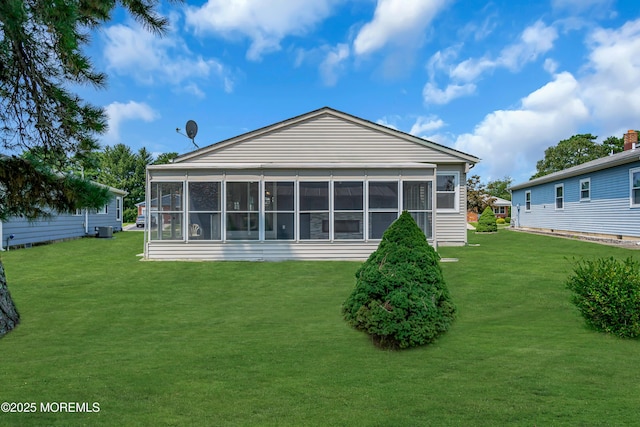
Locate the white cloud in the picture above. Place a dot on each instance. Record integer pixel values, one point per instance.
(434, 95)
(612, 86)
(150, 59)
(580, 5)
(333, 63)
(507, 140)
(396, 21)
(264, 23)
(118, 112)
(425, 125)
(533, 42)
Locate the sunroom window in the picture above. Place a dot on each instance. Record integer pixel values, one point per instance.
(279, 207)
(204, 211)
(383, 207)
(348, 206)
(314, 210)
(166, 211)
(416, 198)
(242, 211)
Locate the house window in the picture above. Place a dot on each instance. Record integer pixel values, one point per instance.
(447, 191)
(103, 211)
(314, 210)
(348, 206)
(634, 185)
(166, 211)
(499, 210)
(242, 210)
(78, 212)
(416, 199)
(279, 210)
(118, 208)
(383, 207)
(560, 196)
(585, 190)
(204, 211)
(527, 201)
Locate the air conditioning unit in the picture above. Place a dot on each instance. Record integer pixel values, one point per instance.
(105, 232)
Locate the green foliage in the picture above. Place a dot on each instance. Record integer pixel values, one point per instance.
(574, 151)
(508, 220)
(477, 198)
(607, 294)
(498, 188)
(130, 214)
(487, 222)
(400, 298)
(500, 221)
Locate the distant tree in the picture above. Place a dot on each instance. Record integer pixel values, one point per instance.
(165, 158)
(400, 298)
(477, 196)
(498, 188)
(574, 151)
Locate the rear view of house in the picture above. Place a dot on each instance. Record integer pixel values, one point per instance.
(323, 185)
(599, 198)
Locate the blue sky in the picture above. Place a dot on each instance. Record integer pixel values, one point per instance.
(502, 80)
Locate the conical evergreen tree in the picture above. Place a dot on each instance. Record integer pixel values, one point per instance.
(487, 221)
(400, 298)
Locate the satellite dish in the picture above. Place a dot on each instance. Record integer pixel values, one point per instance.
(192, 130)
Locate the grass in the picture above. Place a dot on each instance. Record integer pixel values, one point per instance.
(240, 343)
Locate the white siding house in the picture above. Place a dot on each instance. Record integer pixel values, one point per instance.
(323, 185)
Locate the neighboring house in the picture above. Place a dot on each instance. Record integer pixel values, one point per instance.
(141, 206)
(323, 185)
(501, 208)
(65, 226)
(599, 198)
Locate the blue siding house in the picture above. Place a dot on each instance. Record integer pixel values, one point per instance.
(600, 198)
(63, 226)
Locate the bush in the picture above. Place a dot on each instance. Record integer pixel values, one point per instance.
(400, 298)
(607, 294)
(487, 221)
(130, 214)
(507, 220)
(500, 221)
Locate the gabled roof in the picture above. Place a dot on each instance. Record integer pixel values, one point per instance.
(330, 112)
(613, 160)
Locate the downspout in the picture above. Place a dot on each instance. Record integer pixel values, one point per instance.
(86, 210)
(1, 237)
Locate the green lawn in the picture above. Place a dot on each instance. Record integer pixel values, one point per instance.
(241, 343)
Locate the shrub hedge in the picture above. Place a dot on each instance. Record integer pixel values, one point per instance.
(607, 294)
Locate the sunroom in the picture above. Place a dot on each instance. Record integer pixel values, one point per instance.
(327, 186)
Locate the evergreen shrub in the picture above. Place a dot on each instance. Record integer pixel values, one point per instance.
(607, 294)
(507, 220)
(487, 221)
(400, 298)
(500, 221)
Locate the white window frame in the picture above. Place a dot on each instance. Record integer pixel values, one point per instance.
(456, 191)
(631, 188)
(527, 201)
(118, 208)
(104, 210)
(556, 198)
(588, 190)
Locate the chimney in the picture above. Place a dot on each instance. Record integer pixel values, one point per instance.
(630, 140)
